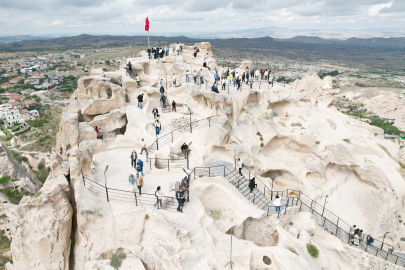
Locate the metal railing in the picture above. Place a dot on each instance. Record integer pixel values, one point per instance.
(330, 190)
(125, 196)
(163, 163)
(169, 137)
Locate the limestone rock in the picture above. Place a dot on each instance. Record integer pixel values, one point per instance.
(42, 226)
(112, 121)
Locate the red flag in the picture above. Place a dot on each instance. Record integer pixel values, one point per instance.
(147, 24)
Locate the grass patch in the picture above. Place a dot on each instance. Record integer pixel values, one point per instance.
(19, 157)
(4, 242)
(3, 216)
(290, 223)
(262, 144)
(3, 262)
(312, 250)
(146, 217)
(293, 250)
(13, 195)
(216, 213)
(4, 180)
(117, 258)
(42, 175)
(387, 126)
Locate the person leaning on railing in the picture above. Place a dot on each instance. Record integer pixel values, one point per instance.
(370, 241)
(277, 203)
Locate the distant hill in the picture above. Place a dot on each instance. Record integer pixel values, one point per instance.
(10, 39)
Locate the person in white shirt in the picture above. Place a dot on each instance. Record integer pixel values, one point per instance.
(202, 76)
(100, 133)
(188, 76)
(257, 74)
(157, 127)
(159, 197)
(143, 146)
(240, 165)
(206, 57)
(195, 76)
(277, 203)
(161, 83)
(178, 48)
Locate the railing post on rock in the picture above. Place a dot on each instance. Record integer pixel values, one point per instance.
(136, 200)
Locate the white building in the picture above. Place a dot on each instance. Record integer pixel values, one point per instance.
(11, 116)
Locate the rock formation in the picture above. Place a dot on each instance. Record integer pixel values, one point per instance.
(292, 135)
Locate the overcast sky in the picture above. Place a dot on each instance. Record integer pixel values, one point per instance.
(41, 17)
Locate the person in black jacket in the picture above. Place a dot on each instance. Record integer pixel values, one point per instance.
(140, 100)
(252, 184)
(155, 112)
(184, 148)
(180, 200)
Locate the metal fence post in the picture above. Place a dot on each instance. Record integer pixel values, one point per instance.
(106, 191)
(136, 200)
(209, 121)
(172, 136)
(157, 144)
(264, 190)
(254, 197)
(224, 170)
(188, 165)
(228, 89)
(168, 165)
(150, 165)
(209, 171)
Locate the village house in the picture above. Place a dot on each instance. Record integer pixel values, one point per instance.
(28, 103)
(15, 80)
(15, 104)
(33, 114)
(5, 85)
(24, 114)
(15, 97)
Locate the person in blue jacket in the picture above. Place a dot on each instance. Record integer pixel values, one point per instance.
(139, 167)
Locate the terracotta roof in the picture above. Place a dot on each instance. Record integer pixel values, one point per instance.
(29, 102)
(23, 111)
(14, 103)
(16, 79)
(15, 97)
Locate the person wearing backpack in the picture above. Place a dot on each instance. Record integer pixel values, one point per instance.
(155, 112)
(180, 200)
(164, 102)
(159, 197)
(139, 167)
(131, 180)
(162, 92)
(252, 184)
(173, 106)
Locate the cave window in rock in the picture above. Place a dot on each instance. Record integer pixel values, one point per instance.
(266, 260)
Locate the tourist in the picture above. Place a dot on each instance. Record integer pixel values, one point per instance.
(207, 56)
(138, 81)
(131, 180)
(173, 106)
(164, 101)
(154, 52)
(247, 72)
(161, 83)
(195, 76)
(252, 184)
(139, 183)
(262, 73)
(240, 166)
(223, 84)
(96, 129)
(180, 199)
(201, 76)
(229, 78)
(205, 65)
(161, 52)
(184, 184)
(277, 203)
(370, 241)
(187, 76)
(214, 89)
(178, 48)
(216, 77)
(162, 93)
(157, 127)
(351, 233)
(266, 75)
(100, 133)
(143, 146)
(238, 83)
(356, 236)
(149, 51)
(166, 51)
(129, 66)
(257, 73)
(247, 77)
(139, 167)
(184, 149)
(181, 49)
(159, 198)
(155, 112)
(134, 157)
(195, 52)
(251, 83)
(140, 100)
(174, 80)
(243, 77)
(252, 73)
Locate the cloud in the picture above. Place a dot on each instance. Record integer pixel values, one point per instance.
(375, 10)
(127, 16)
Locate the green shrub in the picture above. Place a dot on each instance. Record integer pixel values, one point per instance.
(41, 165)
(262, 144)
(13, 195)
(4, 242)
(19, 157)
(313, 250)
(4, 180)
(117, 258)
(290, 223)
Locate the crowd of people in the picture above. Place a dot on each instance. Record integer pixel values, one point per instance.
(356, 237)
